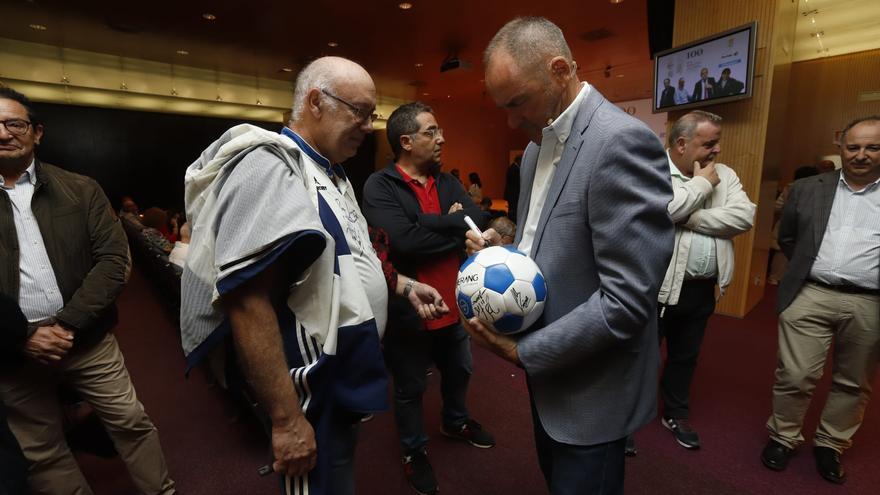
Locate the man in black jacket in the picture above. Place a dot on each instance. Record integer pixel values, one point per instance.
(704, 89)
(667, 97)
(64, 258)
(728, 86)
(423, 210)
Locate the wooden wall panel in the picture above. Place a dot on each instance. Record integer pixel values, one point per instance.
(746, 121)
(823, 97)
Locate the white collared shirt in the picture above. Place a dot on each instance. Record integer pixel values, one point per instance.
(38, 294)
(552, 144)
(850, 249)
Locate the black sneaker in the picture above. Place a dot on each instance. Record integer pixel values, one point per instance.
(471, 432)
(419, 473)
(630, 448)
(683, 433)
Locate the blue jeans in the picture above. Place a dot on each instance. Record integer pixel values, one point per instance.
(408, 353)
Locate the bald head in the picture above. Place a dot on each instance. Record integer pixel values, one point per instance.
(334, 107)
(327, 74)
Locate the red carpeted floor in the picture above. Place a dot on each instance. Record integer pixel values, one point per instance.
(212, 450)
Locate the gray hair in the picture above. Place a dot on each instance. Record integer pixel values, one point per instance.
(317, 75)
(532, 40)
(870, 118)
(684, 127)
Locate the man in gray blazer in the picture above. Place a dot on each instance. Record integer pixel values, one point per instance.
(592, 210)
(830, 232)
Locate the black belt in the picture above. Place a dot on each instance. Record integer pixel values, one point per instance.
(848, 289)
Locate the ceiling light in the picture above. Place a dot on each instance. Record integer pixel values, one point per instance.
(419, 64)
(426, 94)
(616, 1)
(620, 75)
(405, 5)
(182, 52)
(285, 69)
(332, 44)
(37, 27)
(259, 102)
(209, 17)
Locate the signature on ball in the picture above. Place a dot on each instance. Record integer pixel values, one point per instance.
(483, 306)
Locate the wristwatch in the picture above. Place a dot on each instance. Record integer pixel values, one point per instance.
(408, 287)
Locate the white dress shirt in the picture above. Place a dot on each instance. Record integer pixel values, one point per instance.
(38, 295)
(850, 249)
(552, 143)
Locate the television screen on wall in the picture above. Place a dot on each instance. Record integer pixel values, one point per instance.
(712, 70)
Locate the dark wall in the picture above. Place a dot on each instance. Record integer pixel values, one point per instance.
(144, 154)
(139, 154)
(661, 20)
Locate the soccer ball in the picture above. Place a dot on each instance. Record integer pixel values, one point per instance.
(503, 287)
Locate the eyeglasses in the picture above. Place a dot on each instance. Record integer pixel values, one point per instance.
(361, 114)
(16, 127)
(433, 133)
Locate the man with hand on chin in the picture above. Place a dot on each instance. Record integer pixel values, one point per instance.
(709, 208)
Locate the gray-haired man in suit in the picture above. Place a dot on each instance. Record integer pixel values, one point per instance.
(592, 212)
(830, 232)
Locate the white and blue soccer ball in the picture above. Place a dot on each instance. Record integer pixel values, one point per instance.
(502, 287)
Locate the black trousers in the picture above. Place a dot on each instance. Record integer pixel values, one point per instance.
(13, 467)
(408, 353)
(683, 326)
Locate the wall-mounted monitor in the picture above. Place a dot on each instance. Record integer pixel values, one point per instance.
(712, 70)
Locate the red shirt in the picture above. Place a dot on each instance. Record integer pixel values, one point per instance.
(442, 271)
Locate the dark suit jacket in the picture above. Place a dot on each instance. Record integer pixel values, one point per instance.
(667, 98)
(85, 243)
(732, 87)
(801, 228)
(603, 242)
(697, 94)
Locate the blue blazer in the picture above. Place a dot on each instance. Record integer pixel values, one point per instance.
(603, 242)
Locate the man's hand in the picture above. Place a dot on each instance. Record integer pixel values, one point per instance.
(474, 243)
(484, 336)
(455, 207)
(293, 445)
(49, 344)
(708, 172)
(427, 301)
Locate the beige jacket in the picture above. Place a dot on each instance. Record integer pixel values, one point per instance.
(722, 212)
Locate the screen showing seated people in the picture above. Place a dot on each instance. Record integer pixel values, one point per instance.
(708, 71)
